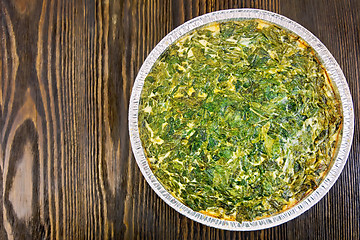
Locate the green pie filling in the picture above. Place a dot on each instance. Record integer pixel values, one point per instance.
(239, 120)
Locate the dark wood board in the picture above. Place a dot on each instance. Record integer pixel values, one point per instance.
(66, 74)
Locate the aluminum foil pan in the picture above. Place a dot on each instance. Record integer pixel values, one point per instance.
(335, 74)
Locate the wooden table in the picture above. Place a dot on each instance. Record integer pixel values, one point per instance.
(67, 69)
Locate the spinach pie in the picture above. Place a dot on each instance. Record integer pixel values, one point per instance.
(239, 119)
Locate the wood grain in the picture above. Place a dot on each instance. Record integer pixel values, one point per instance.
(66, 74)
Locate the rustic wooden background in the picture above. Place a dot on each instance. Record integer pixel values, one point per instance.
(66, 167)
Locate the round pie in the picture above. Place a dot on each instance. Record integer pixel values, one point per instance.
(239, 119)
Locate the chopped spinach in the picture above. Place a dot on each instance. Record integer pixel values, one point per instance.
(238, 120)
